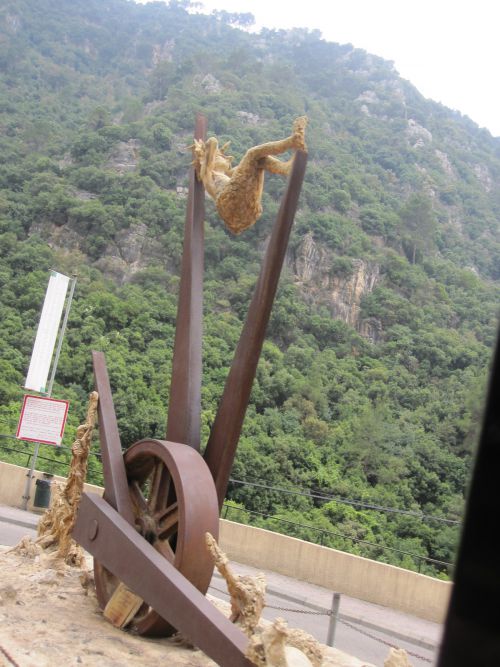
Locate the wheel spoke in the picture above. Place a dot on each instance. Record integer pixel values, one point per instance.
(167, 521)
(160, 485)
(166, 550)
(138, 498)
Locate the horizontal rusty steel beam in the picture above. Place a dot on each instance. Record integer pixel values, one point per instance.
(101, 531)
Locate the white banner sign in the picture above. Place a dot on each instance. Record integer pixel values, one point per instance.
(42, 420)
(47, 332)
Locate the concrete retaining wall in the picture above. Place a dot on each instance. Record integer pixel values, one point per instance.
(357, 577)
(13, 481)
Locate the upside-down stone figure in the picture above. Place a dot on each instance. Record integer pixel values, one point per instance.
(237, 191)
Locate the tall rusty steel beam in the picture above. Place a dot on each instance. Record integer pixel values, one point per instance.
(118, 547)
(226, 429)
(116, 491)
(184, 406)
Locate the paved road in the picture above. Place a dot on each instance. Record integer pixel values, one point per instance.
(11, 534)
(361, 640)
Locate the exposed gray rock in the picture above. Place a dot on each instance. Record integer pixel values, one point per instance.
(368, 97)
(63, 236)
(83, 195)
(482, 173)
(418, 134)
(132, 250)
(163, 52)
(130, 243)
(89, 48)
(151, 107)
(342, 295)
(125, 156)
(248, 118)
(346, 293)
(13, 22)
(371, 328)
(66, 161)
(310, 260)
(445, 163)
(209, 84)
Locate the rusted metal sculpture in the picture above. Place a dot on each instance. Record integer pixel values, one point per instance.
(147, 533)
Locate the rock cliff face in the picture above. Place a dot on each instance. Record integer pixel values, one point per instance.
(340, 293)
(132, 250)
(346, 292)
(125, 156)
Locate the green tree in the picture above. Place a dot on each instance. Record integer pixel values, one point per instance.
(418, 225)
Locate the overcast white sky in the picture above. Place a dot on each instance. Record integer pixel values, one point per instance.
(449, 49)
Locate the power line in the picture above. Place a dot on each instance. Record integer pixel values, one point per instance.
(345, 501)
(310, 494)
(339, 534)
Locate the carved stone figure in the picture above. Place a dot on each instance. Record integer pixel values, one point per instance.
(55, 526)
(280, 646)
(276, 645)
(237, 191)
(397, 657)
(247, 593)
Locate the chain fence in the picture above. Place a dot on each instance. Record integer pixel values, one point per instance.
(335, 617)
(382, 641)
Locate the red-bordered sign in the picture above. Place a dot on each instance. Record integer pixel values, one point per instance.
(42, 420)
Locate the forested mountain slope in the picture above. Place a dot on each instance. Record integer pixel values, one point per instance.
(370, 383)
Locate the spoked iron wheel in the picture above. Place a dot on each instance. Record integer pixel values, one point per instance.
(175, 504)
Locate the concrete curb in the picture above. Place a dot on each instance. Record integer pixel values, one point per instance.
(19, 517)
(18, 522)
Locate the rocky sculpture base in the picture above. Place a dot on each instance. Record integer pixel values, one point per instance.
(48, 617)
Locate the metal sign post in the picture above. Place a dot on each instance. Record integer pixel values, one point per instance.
(43, 350)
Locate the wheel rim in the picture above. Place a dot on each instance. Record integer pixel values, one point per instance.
(175, 504)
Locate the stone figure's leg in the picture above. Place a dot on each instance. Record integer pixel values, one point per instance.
(299, 130)
(207, 163)
(275, 166)
(293, 142)
(208, 160)
(270, 148)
